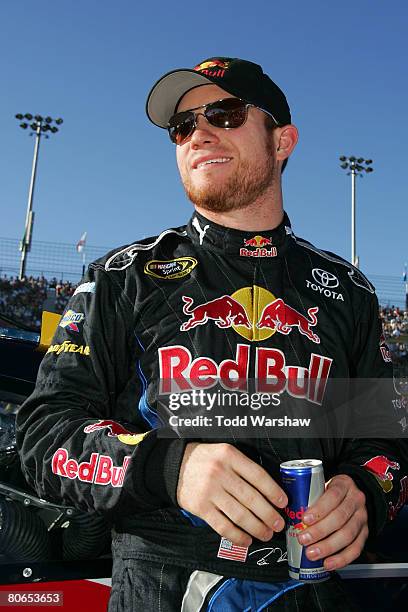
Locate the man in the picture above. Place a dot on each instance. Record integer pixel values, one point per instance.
(233, 295)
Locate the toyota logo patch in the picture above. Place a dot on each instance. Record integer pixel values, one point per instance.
(325, 279)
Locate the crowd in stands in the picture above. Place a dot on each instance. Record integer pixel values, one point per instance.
(395, 326)
(395, 321)
(22, 301)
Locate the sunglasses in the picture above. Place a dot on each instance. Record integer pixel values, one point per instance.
(228, 113)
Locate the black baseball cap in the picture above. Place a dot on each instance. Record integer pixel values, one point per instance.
(238, 77)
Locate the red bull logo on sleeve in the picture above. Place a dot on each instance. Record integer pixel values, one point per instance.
(380, 466)
(116, 430)
(98, 470)
(71, 320)
(257, 248)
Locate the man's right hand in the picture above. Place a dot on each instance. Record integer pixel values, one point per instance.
(232, 493)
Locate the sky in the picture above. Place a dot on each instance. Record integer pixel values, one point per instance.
(110, 172)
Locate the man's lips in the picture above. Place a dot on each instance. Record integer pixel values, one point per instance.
(210, 160)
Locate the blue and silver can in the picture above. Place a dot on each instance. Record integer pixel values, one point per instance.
(303, 483)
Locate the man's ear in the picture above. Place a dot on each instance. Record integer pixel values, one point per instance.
(286, 138)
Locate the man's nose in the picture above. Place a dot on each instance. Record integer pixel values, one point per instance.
(204, 131)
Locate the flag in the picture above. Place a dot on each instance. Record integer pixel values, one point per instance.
(228, 550)
(404, 275)
(81, 244)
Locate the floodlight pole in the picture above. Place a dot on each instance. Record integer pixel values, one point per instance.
(25, 244)
(39, 127)
(355, 166)
(353, 217)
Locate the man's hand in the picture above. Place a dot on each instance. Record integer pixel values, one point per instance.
(233, 494)
(337, 524)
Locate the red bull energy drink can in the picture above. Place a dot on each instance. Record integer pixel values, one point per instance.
(303, 483)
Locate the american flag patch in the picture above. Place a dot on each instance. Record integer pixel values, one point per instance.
(228, 550)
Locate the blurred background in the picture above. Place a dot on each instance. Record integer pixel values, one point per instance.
(105, 176)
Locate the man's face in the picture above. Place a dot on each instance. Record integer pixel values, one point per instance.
(243, 166)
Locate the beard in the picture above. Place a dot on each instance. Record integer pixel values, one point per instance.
(248, 183)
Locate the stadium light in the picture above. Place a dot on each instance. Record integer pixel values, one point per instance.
(354, 165)
(40, 127)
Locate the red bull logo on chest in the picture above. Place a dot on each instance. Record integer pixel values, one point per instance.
(180, 372)
(253, 312)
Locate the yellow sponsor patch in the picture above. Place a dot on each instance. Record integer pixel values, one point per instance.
(170, 269)
(69, 347)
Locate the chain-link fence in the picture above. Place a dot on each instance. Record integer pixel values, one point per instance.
(391, 290)
(48, 259)
(59, 260)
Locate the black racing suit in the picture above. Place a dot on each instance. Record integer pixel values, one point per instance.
(186, 305)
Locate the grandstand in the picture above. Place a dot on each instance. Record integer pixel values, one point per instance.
(61, 261)
(54, 269)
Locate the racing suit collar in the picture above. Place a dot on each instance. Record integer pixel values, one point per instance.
(248, 245)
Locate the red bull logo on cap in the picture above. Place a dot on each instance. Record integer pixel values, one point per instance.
(213, 68)
(380, 466)
(258, 243)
